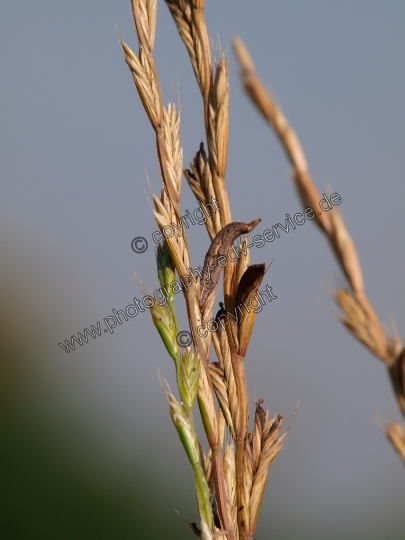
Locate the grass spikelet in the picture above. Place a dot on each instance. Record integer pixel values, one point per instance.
(358, 322)
(174, 154)
(188, 378)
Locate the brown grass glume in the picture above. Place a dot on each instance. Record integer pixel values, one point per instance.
(230, 479)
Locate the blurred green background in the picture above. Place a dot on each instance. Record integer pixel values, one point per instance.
(61, 476)
(87, 446)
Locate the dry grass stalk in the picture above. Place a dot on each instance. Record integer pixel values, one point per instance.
(289, 140)
(167, 208)
(234, 478)
(359, 316)
(190, 21)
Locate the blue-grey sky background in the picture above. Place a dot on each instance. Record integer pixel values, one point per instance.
(76, 147)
